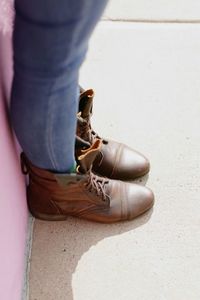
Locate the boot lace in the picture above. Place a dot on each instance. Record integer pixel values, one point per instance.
(88, 133)
(98, 185)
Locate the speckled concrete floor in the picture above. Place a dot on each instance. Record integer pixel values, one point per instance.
(147, 82)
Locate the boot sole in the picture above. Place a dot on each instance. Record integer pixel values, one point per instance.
(46, 217)
(49, 217)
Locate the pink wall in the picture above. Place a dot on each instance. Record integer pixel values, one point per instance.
(13, 210)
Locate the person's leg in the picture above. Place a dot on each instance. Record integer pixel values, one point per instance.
(50, 42)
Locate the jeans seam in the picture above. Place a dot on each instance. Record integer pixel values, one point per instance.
(49, 132)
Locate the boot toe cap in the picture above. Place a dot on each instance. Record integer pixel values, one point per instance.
(140, 199)
(132, 164)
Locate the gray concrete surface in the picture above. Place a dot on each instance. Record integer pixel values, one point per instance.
(147, 83)
(154, 10)
(29, 239)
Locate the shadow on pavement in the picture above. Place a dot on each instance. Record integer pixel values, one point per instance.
(58, 247)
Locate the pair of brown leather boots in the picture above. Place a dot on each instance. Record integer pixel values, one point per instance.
(96, 191)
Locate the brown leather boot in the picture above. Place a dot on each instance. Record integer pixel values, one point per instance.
(115, 160)
(53, 196)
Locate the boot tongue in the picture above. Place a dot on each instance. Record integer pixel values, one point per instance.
(88, 156)
(85, 103)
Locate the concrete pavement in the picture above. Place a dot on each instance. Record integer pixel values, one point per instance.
(147, 83)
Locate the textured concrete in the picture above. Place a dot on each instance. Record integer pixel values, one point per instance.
(162, 10)
(29, 238)
(147, 82)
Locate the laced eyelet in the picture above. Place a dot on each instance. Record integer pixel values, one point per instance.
(97, 185)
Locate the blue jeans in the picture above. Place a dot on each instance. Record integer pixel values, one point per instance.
(50, 41)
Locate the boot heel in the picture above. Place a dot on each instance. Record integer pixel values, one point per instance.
(34, 204)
